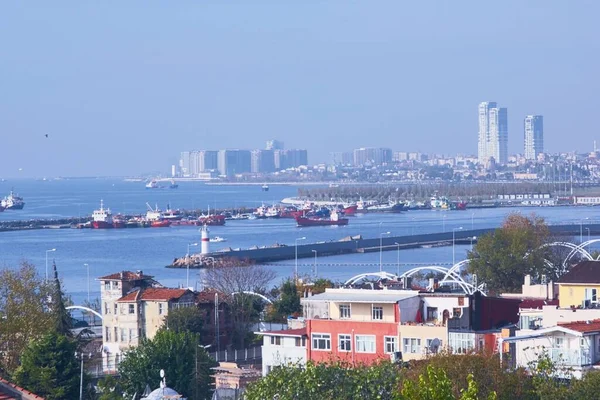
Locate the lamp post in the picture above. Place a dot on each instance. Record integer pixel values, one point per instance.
(581, 229)
(48, 251)
(296, 257)
(381, 250)
(453, 233)
(88, 280)
(315, 269)
(187, 263)
(398, 260)
(588, 230)
(81, 356)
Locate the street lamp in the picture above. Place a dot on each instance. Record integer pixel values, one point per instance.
(81, 356)
(48, 251)
(315, 269)
(187, 263)
(88, 281)
(296, 258)
(453, 232)
(398, 261)
(581, 229)
(381, 250)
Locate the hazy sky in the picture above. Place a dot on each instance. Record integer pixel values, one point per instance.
(122, 87)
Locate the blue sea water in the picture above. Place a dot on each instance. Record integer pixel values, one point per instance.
(108, 251)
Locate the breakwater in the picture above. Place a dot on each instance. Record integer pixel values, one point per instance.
(358, 244)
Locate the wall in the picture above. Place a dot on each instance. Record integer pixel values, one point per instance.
(379, 330)
(286, 353)
(573, 295)
(551, 315)
(491, 312)
(443, 302)
(407, 308)
(423, 332)
(362, 312)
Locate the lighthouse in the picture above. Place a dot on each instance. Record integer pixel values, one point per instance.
(205, 240)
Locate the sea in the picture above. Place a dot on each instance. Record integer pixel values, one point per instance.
(85, 252)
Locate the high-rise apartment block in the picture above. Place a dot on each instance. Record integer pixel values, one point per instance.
(493, 133)
(232, 162)
(534, 136)
(372, 155)
(274, 145)
(262, 161)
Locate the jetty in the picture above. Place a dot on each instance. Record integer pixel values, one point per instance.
(358, 244)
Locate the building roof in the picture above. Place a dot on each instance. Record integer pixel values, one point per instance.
(153, 294)
(286, 332)
(537, 303)
(582, 326)
(584, 272)
(10, 391)
(208, 296)
(362, 296)
(125, 276)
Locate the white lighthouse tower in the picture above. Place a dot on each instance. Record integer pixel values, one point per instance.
(204, 241)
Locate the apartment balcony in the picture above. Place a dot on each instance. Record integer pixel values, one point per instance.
(570, 357)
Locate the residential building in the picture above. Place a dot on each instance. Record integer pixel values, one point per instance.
(285, 347)
(341, 158)
(262, 161)
(579, 287)
(10, 391)
(534, 136)
(372, 156)
(493, 133)
(233, 162)
(184, 163)
(274, 145)
(207, 161)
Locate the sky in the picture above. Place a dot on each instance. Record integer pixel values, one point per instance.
(122, 87)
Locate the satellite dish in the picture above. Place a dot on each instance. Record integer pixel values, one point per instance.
(434, 345)
(162, 373)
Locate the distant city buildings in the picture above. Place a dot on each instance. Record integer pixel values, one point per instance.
(493, 133)
(274, 145)
(372, 156)
(534, 136)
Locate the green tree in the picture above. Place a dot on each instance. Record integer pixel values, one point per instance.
(434, 384)
(175, 353)
(186, 319)
(586, 388)
(109, 389)
(62, 318)
(502, 258)
(288, 302)
(23, 312)
(49, 368)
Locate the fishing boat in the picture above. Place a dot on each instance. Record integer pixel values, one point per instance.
(173, 185)
(153, 184)
(12, 202)
(160, 223)
(333, 219)
(102, 218)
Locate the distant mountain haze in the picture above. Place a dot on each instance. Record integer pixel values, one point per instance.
(123, 87)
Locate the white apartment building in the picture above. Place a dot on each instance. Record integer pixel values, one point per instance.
(493, 133)
(534, 136)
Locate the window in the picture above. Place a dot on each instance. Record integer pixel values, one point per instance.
(116, 307)
(300, 342)
(390, 344)
(132, 309)
(276, 340)
(377, 312)
(131, 334)
(321, 341)
(412, 345)
(107, 334)
(365, 343)
(115, 285)
(432, 313)
(116, 334)
(123, 334)
(106, 285)
(106, 309)
(590, 294)
(456, 312)
(345, 342)
(161, 308)
(345, 311)
(461, 343)
(559, 342)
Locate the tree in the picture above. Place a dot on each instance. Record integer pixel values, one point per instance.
(235, 283)
(288, 302)
(49, 368)
(109, 389)
(434, 384)
(23, 312)
(62, 319)
(175, 353)
(186, 319)
(502, 258)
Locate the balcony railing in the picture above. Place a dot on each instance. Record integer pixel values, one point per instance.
(570, 357)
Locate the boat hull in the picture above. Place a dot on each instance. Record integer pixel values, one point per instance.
(101, 225)
(302, 221)
(160, 224)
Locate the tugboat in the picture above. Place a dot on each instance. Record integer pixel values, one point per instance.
(102, 218)
(334, 219)
(12, 202)
(217, 239)
(172, 214)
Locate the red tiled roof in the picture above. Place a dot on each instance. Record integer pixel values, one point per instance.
(208, 296)
(6, 394)
(285, 332)
(584, 272)
(537, 303)
(582, 326)
(165, 294)
(125, 276)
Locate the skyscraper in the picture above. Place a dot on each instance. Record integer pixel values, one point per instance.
(274, 145)
(534, 136)
(493, 133)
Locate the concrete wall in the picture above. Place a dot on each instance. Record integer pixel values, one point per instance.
(552, 316)
(362, 312)
(422, 332)
(283, 354)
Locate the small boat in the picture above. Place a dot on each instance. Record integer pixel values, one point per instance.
(153, 184)
(333, 219)
(217, 239)
(133, 223)
(12, 202)
(265, 188)
(173, 185)
(102, 218)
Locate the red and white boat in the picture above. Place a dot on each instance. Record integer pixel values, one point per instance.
(211, 220)
(102, 218)
(350, 209)
(334, 219)
(155, 218)
(161, 223)
(172, 215)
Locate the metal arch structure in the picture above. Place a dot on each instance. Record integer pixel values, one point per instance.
(381, 275)
(467, 287)
(254, 294)
(574, 248)
(87, 309)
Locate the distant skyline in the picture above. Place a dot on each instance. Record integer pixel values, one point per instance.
(121, 88)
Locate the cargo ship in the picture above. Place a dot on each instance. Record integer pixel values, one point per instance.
(333, 219)
(12, 202)
(119, 221)
(102, 218)
(211, 220)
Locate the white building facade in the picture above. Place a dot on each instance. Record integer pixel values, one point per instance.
(534, 136)
(493, 133)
